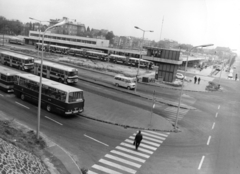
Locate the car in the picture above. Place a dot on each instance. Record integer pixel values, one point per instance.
(179, 76)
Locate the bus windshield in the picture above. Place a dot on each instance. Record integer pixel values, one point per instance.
(72, 73)
(29, 61)
(75, 97)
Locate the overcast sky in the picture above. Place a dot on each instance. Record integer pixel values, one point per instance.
(193, 22)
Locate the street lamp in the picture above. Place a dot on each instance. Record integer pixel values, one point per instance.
(140, 52)
(176, 121)
(40, 83)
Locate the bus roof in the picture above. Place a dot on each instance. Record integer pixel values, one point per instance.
(75, 49)
(16, 55)
(94, 52)
(58, 46)
(115, 55)
(138, 59)
(50, 83)
(40, 43)
(56, 65)
(7, 71)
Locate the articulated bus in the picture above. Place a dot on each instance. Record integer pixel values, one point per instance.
(56, 97)
(19, 61)
(16, 40)
(96, 55)
(117, 59)
(7, 78)
(76, 52)
(57, 72)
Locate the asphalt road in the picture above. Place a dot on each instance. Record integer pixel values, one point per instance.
(208, 141)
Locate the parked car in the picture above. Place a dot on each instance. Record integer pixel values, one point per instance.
(179, 76)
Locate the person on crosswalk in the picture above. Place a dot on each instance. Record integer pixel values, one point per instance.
(138, 139)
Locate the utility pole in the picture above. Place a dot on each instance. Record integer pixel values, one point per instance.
(161, 29)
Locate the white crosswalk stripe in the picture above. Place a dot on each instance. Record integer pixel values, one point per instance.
(128, 156)
(117, 166)
(147, 142)
(139, 149)
(158, 137)
(104, 169)
(125, 158)
(142, 145)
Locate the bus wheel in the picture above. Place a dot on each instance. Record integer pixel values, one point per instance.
(116, 84)
(22, 97)
(128, 88)
(48, 108)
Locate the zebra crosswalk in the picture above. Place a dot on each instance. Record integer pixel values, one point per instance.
(124, 159)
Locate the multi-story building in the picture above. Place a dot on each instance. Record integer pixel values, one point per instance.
(71, 28)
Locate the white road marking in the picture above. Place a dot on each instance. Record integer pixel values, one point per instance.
(96, 140)
(152, 139)
(209, 138)
(54, 120)
(219, 107)
(91, 172)
(123, 160)
(154, 136)
(216, 114)
(104, 169)
(139, 148)
(133, 152)
(128, 156)
(156, 133)
(22, 105)
(147, 142)
(142, 145)
(213, 125)
(126, 169)
(201, 162)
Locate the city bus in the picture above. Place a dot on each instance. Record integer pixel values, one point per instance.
(58, 49)
(7, 78)
(57, 72)
(16, 40)
(96, 55)
(56, 97)
(76, 52)
(142, 63)
(19, 61)
(117, 59)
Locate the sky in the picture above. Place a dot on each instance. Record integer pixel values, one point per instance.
(194, 22)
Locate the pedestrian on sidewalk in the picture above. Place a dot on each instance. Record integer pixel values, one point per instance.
(236, 77)
(138, 139)
(199, 79)
(195, 79)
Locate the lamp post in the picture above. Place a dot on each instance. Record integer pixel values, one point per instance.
(140, 52)
(176, 121)
(40, 83)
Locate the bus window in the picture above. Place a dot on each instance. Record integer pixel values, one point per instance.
(72, 73)
(10, 78)
(75, 97)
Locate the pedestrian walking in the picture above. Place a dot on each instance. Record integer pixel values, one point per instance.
(138, 139)
(236, 77)
(195, 79)
(199, 79)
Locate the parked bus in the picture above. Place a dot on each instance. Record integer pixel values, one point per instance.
(57, 72)
(16, 40)
(56, 97)
(117, 59)
(7, 78)
(97, 55)
(142, 63)
(76, 52)
(19, 61)
(58, 49)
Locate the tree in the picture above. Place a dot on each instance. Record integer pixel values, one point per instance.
(109, 36)
(88, 29)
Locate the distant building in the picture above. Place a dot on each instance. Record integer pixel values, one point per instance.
(71, 28)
